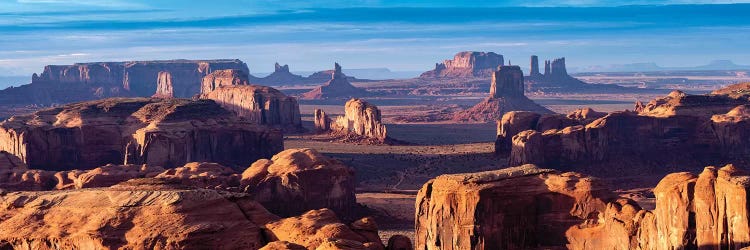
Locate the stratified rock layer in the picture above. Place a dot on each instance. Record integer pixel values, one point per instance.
(140, 214)
(221, 78)
(467, 64)
(515, 208)
(297, 180)
(506, 94)
(157, 132)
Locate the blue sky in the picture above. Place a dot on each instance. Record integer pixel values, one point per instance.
(406, 35)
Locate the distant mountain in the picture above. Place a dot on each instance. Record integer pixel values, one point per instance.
(365, 73)
(7, 81)
(642, 67)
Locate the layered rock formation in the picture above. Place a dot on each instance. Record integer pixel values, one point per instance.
(740, 90)
(282, 76)
(337, 87)
(320, 229)
(506, 94)
(139, 214)
(516, 208)
(361, 121)
(259, 104)
(555, 79)
(297, 180)
(157, 132)
(467, 64)
(678, 132)
(87, 81)
(530, 208)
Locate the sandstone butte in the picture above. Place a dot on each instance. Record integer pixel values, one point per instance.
(678, 132)
(157, 132)
(259, 104)
(506, 94)
(88, 81)
(361, 121)
(466, 64)
(527, 207)
(298, 180)
(337, 87)
(555, 79)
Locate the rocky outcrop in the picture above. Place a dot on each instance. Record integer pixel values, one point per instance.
(139, 214)
(282, 76)
(515, 122)
(259, 104)
(708, 211)
(361, 122)
(506, 94)
(467, 64)
(516, 208)
(531, 208)
(157, 132)
(88, 81)
(297, 180)
(679, 132)
(221, 78)
(739, 90)
(337, 87)
(203, 175)
(320, 229)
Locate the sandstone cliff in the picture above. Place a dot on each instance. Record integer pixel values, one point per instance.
(259, 104)
(361, 122)
(515, 208)
(87, 81)
(139, 214)
(337, 87)
(297, 180)
(530, 208)
(158, 132)
(506, 94)
(678, 103)
(467, 64)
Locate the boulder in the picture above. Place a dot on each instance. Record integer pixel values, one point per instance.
(157, 132)
(514, 208)
(138, 214)
(298, 180)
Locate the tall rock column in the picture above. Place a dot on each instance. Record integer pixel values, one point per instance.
(507, 81)
(534, 66)
(546, 68)
(164, 87)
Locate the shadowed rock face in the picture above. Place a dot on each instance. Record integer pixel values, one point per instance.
(530, 208)
(158, 132)
(506, 94)
(337, 87)
(467, 64)
(514, 208)
(139, 214)
(361, 119)
(88, 81)
(297, 180)
(259, 104)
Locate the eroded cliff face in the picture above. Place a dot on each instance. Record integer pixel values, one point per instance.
(139, 214)
(467, 64)
(157, 132)
(259, 104)
(337, 87)
(87, 81)
(516, 208)
(298, 180)
(506, 94)
(361, 120)
(530, 208)
(676, 133)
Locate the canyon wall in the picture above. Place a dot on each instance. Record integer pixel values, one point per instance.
(159, 132)
(467, 64)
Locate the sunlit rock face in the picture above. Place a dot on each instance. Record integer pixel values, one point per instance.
(360, 120)
(467, 64)
(158, 132)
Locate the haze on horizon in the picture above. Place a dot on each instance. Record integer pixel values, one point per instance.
(399, 35)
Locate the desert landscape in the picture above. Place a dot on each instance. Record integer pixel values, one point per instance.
(135, 149)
